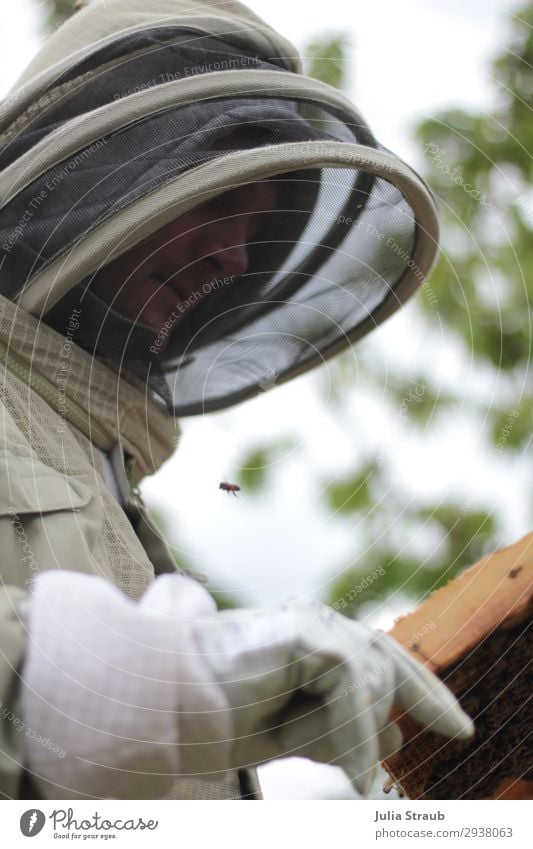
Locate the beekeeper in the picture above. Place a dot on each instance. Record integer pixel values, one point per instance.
(186, 220)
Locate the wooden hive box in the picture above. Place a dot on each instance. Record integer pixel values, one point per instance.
(475, 634)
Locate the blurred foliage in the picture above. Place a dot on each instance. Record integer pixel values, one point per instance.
(489, 271)
(58, 11)
(463, 539)
(512, 428)
(223, 599)
(483, 285)
(325, 59)
(352, 494)
(388, 521)
(415, 400)
(253, 473)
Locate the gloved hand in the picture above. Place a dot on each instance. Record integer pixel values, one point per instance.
(303, 680)
(138, 693)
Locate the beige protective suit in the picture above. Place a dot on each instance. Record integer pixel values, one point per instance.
(55, 508)
(57, 512)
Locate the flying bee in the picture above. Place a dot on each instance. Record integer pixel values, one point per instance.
(229, 487)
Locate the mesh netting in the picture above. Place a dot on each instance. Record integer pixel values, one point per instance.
(275, 319)
(331, 250)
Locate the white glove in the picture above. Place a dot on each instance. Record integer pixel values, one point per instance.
(109, 686)
(303, 680)
(136, 694)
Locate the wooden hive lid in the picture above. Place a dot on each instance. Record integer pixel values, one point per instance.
(447, 632)
(495, 592)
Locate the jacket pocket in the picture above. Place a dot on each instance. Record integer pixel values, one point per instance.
(28, 486)
(48, 520)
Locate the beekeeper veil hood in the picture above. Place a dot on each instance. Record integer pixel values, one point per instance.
(139, 113)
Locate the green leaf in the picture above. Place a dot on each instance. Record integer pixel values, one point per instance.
(468, 534)
(255, 468)
(325, 59)
(352, 494)
(512, 428)
(223, 599)
(58, 12)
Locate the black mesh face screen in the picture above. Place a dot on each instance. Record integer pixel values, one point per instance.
(278, 317)
(332, 244)
(128, 164)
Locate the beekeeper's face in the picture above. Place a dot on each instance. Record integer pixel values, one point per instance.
(179, 262)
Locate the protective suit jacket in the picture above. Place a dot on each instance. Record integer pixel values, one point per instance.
(56, 510)
(101, 86)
